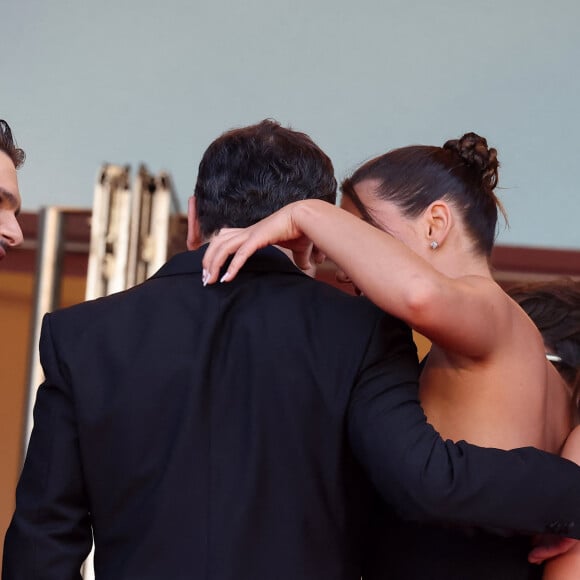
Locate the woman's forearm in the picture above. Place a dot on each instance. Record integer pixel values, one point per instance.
(386, 271)
(404, 284)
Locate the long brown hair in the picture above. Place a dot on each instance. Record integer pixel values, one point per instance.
(554, 307)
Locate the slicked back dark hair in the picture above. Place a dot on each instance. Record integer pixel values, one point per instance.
(8, 145)
(464, 172)
(249, 173)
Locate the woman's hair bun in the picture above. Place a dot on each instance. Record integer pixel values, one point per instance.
(474, 152)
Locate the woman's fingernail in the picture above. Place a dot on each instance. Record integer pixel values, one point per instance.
(225, 277)
(204, 277)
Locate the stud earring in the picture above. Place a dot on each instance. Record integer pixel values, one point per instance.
(434, 245)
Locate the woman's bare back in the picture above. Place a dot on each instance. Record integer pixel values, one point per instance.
(513, 397)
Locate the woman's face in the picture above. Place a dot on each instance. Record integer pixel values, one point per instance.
(384, 215)
(387, 216)
(10, 232)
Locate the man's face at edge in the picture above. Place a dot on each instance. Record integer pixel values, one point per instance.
(10, 202)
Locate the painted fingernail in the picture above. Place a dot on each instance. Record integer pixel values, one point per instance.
(204, 277)
(225, 277)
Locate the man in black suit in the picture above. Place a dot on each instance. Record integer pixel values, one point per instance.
(239, 431)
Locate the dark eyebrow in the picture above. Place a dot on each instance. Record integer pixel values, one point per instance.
(11, 199)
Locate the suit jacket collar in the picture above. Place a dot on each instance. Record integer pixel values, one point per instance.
(268, 259)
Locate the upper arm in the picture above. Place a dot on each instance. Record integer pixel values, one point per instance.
(50, 530)
(461, 315)
(465, 316)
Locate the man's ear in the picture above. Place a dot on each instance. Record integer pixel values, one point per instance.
(439, 219)
(194, 239)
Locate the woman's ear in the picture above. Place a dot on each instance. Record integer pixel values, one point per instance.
(194, 239)
(439, 221)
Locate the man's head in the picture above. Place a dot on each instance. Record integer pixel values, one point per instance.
(249, 173)
(11, 158)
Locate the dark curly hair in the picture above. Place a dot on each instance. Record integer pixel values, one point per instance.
(249, 173)
(8, 145)
(554, 307)
(464, 171)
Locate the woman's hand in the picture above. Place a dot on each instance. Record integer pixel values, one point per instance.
(279, 228)
(548, 546)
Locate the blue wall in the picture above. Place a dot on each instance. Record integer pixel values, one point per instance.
(126, 81)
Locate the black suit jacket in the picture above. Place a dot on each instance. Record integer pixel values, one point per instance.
(224, 433)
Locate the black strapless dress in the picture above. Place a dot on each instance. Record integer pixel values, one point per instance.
(411, 551)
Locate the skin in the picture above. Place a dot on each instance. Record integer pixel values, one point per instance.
(482, 340)
(10, 202)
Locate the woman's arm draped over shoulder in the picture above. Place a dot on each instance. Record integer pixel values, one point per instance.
(456, 313)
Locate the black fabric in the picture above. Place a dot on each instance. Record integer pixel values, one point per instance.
(399, 550)
(221, 433)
